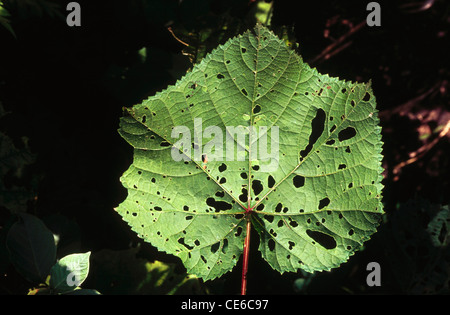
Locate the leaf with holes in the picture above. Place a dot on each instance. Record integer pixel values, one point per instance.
(253, 134)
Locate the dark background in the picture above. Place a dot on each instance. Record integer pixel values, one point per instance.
(63, 89)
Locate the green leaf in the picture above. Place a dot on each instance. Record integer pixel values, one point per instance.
(69, 272)
(439, 228)
(31, 248)
(314, 195)
(4, 19)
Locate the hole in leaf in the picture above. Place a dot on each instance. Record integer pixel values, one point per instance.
(299, 181)
(181, 241)
(165, 144)
(291, 245)
(257, 187)
(442, 233)
(353, 103)
(260, 207)
(244, 196)
(144, 118)
(256, 109)
(270, 181)
(342, 166)
(293, 223)
(238, 231)
(366, 97)
(189, 217)
(218, 205)
(197, 243)
(351, 232)
(346, 133)
(215, 247)
(348, 149)
(220, 76)
(243, 50)
(278, 207)
(280, 223)
(271, 245)
(157, 208)
(324, 202)
(225, 246)
(244, 91)
(317, 126)
(222, 167)
(220, 194)
(244, 175)
(255, 167)
(330, 142)
(322, 239)
(269, 218)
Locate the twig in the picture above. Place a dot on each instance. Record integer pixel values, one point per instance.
(328, 52)
(174, 36)
(419, 153)
(405, 108)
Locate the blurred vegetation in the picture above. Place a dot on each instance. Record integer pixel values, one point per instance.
(62, 90)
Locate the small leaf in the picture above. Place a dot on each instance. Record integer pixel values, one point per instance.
(31, 247)
(69, 272)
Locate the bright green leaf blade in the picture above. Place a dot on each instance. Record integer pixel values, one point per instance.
(69, 272)
(314, 197)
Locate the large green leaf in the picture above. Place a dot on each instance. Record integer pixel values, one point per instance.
(314, 198)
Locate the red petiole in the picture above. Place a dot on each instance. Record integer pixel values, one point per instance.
(248, 212)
